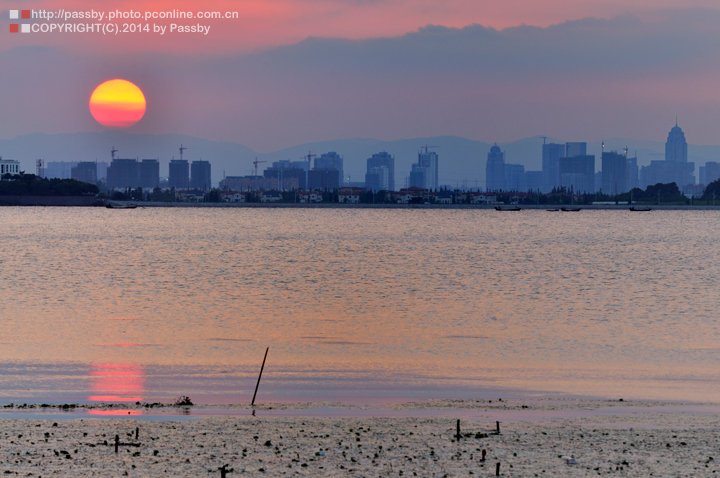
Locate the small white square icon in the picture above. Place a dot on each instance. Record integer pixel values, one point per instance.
(14, 14)
(25, 28)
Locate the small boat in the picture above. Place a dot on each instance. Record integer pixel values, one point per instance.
(570, 209)
(638, 209)
(552, 210)
(507, 208)
(120, 206)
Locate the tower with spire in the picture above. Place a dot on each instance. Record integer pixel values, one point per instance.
(676, 146)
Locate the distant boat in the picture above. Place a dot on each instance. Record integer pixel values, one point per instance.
(570, 209)
(640, 209)
(507, 208)
(552, 210)
(120, 206)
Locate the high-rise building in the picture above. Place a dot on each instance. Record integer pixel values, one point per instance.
(200, 175)
(551, 154)
(85, 171)
(286, 175)
(324, 179)
(428, 161)
(380, 175)
(710, 172)
(676, 168)
(577, 173)
(59, 169)
(179, 174)
(676, 146)
(122, 174)
(327, 174)
(149, 173)
(515, 178)
(575, 149)
(417, 176)
(495, 170)
(614, 173)
(330, 160)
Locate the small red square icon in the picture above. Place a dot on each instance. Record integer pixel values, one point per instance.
(14, 28)
(25, 14)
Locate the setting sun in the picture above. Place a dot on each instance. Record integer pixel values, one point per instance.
(117, 103)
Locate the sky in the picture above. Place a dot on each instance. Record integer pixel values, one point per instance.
(287, 72)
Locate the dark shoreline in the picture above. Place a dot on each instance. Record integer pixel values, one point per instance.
(542, 207)
(85, 201)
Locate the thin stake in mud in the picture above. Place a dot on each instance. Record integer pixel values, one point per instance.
(457, 433)
(252, 404)
(117, 443)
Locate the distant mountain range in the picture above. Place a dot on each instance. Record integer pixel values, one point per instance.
(462, 161)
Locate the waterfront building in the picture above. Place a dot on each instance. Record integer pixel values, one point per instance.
(85, 171)
(200, 177)
(350, 194)
(59, 169)
(149, 173)
(577, 173)
(122, 174)
(324, 179)
(676, 168)
(286, 175)
(495, 170)
(614, 173)
(330, 161)
(179, 174)
(551, 154)
(514, 178)
(9, 166)
(380, 172)
(709, 173)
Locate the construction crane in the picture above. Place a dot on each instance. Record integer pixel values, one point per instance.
(182, 148)
(112, 152)
(255, 163)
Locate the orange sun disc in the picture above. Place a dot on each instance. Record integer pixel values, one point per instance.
(117, 103)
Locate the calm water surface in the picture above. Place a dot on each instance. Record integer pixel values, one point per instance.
(356, 305)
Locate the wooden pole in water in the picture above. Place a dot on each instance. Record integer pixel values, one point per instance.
(259, 377)
(497, 469)
(457, 432)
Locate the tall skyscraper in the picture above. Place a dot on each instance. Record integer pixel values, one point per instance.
(380, 175)
(179, 174)
(428, 161)
(551, 154)
(330, 160)
(676, 168)
(577, 173)
(495, 169)
(614, 173)
(200, 175)
(417, 176)
(149, 173)
(676, 146)
(122, 174)
(327, 174)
